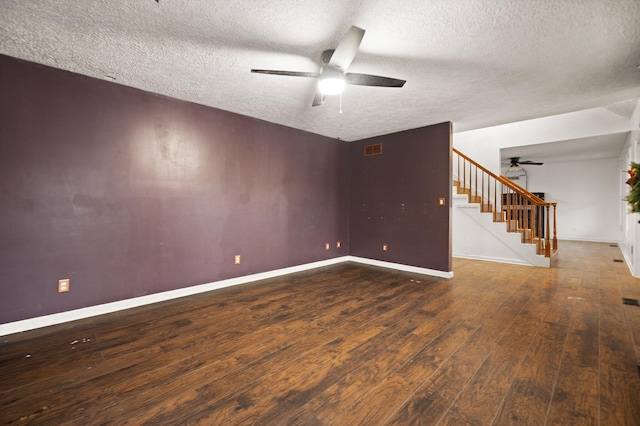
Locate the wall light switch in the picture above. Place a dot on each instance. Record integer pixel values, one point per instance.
(338, 244)
(441, 201)
(385, 247)
(63, 285)
(236, 260)
(327, 246)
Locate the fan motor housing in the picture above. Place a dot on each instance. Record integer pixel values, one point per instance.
(326, 55)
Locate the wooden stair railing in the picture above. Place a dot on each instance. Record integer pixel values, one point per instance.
(521, 210)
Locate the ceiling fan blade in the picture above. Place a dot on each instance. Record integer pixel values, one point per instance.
(535, 163)
(318, 99)
(372, 80)
(347, 49)
(287, 73)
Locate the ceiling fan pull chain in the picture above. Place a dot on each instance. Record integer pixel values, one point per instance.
(340, 103)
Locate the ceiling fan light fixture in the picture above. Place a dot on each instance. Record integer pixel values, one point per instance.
(331, 78)
(331, 85)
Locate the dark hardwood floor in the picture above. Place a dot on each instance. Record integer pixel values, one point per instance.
(349, 345)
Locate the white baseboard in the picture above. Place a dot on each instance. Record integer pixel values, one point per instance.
(493, 259)
(400, 267)
(582, 240)
(628, 261)
(91, 311)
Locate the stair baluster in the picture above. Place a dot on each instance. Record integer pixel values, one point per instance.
(512, 204)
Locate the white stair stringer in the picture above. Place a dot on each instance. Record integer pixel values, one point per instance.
(477, 236)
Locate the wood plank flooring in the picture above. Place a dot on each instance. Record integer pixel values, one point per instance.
(347, 345)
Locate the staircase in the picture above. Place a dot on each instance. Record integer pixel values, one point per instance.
(508, 223)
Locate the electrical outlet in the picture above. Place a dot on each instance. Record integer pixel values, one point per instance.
(385, 247)
(236, 260)
(338, 244)
(63, 285)
(327, 246)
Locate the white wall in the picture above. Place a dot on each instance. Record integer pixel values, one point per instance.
(629, 230)
(483, 145)
(587, 193)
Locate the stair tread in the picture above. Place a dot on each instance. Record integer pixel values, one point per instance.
(512, 214)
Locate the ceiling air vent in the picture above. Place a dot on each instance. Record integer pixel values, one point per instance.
(373, 149)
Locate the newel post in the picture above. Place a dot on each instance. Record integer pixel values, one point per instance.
(547, 245)
(555, 228)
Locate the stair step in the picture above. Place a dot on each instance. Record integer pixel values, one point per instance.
(506, 206)
(526, 236)
(461, 189)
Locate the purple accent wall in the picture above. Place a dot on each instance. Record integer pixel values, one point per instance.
(129, 193)
(394, 198)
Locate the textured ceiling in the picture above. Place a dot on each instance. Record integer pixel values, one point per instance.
(473, 62)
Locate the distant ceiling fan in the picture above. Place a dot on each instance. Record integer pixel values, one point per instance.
(515, 162)
(332, 75)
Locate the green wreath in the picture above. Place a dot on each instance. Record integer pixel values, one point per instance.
(634, 193)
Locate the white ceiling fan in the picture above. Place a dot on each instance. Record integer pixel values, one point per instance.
(332, 75)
